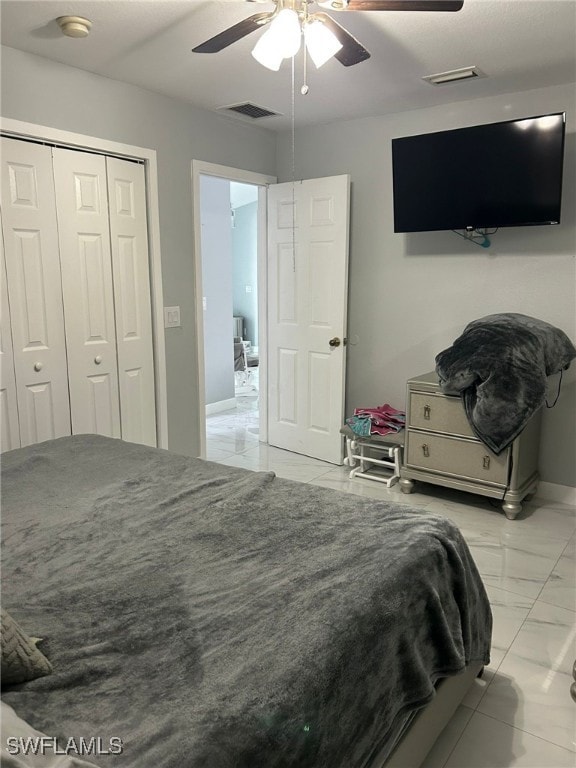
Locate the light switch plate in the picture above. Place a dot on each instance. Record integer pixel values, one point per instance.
(171, 317)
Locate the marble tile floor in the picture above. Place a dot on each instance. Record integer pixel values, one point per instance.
(520, 712)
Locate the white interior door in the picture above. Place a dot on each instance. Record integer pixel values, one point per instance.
(33, 278)
(9, 425)
(308, 286)
(130, 269)
(84, 233)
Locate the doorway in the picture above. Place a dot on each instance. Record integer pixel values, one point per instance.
(301, 383)
(229, 218)
(229, 212)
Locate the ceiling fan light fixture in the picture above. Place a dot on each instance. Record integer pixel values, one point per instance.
(287, 31)
(321, 42)
(267, 53)
(280, 41)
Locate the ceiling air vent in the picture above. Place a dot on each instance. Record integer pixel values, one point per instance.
(464, 73)
(250, 110)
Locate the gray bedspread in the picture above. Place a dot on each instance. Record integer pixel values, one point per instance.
(212, 617)
(499, 365)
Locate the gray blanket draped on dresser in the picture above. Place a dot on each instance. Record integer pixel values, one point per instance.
(499, 365)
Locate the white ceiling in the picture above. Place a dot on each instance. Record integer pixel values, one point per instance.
(517, 44)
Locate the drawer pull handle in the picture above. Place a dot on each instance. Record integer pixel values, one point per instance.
(486, 462)
(427, 411)
(425, 450)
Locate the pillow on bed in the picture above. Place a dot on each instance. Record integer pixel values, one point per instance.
(21, 659)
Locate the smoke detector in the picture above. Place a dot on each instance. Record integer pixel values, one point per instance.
(74, 26)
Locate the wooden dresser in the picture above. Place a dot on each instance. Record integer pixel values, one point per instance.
(441, 448)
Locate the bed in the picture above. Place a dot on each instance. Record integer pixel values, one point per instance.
(211, 617)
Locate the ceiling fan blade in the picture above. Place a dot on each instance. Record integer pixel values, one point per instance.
(352, 52)
(234, 33)
(404, 5)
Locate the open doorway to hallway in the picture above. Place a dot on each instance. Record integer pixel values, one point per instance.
(215, 219)
(301, 291)
(229, 253)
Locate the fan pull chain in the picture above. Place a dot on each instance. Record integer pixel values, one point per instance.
(304, 90)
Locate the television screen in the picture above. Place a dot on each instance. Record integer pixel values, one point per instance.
(506, 174)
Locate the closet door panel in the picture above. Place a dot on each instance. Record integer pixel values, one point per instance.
(9, 425)
(130, 265)
(34, 288)
(82, 208)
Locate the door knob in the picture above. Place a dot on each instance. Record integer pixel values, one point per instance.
(37, 366)
(98, 359)
(335, 342)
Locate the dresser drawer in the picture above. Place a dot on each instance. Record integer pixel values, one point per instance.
(464, 458)
(438, 413)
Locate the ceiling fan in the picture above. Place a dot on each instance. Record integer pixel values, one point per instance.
(324, 37)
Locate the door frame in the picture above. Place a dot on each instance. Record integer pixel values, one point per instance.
(18, 129)
(202, 168)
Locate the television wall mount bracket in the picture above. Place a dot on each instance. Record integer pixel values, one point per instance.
(476, 236)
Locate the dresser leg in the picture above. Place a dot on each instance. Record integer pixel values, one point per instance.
(511, 509)
(406, 485)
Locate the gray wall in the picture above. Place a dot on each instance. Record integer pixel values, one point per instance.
(39, 91)
(216, 238)
(410, 296)
(245, 268)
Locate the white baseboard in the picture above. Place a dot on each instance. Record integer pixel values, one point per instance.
(565, 494)
(221, 405)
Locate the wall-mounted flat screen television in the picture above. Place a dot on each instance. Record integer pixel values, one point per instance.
(506, 174)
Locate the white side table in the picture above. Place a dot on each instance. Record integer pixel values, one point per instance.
(374, 457)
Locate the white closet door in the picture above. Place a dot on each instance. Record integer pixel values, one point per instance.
(33, 279)
(130, 269)
(9, 427)
(82, 208)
